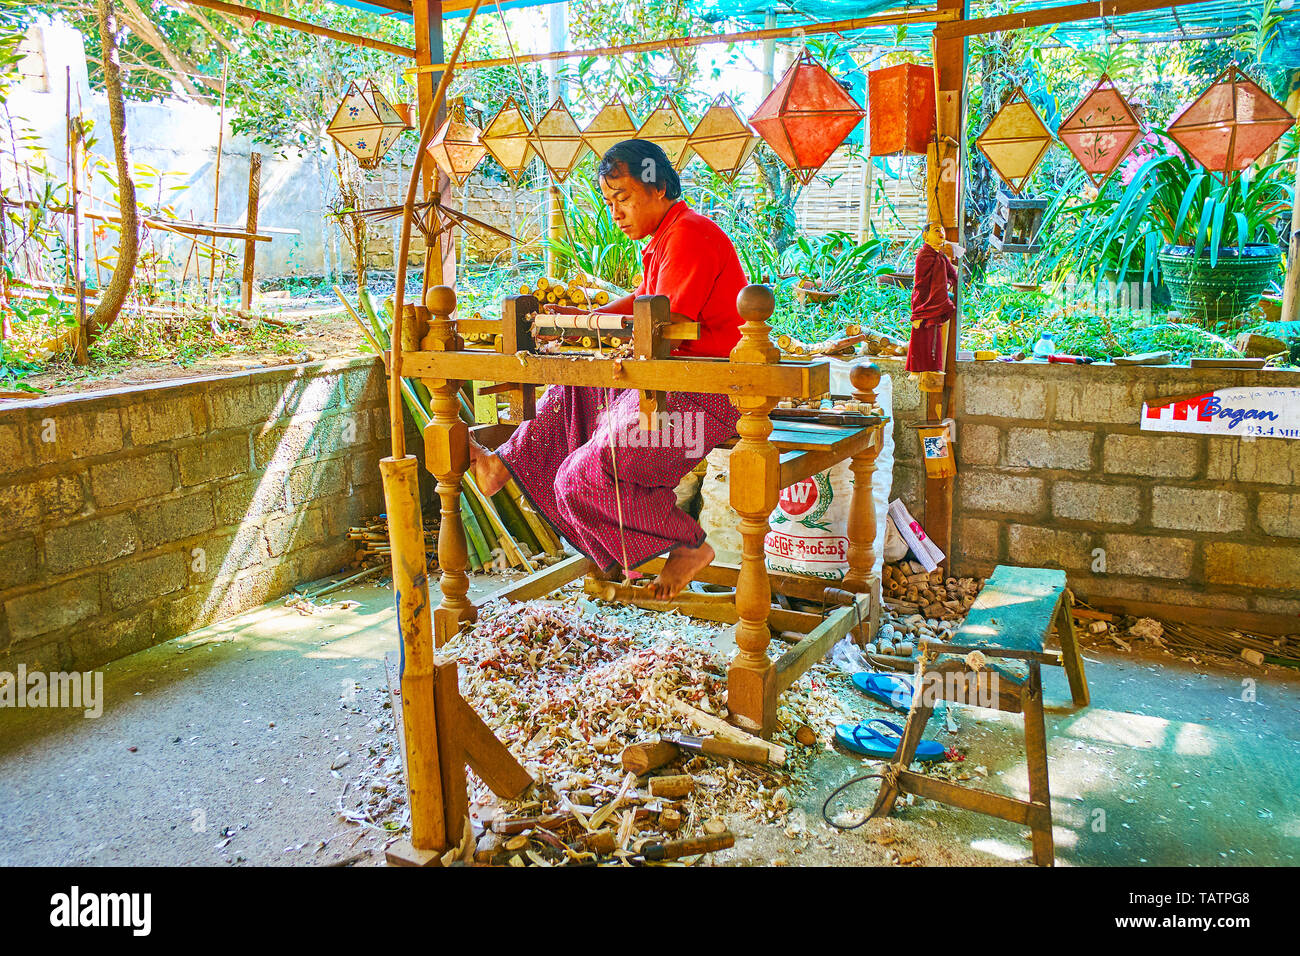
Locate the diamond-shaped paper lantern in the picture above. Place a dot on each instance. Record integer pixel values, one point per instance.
(365, 124)
(457, 148)
(902, 116)
(666, 127)
(1015, 141)
(722, 139)
(1101, 131)
(558, 140)
(506, 138)
(806, 117)
(1230, 125)
(611, 125)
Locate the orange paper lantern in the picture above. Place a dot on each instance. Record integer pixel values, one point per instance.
(902, 115)
(1230, 125)
(1101, 131)
(806, 117)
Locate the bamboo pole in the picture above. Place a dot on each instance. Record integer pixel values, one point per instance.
(248, 13)
(415, 629)
(216, 180)
(674, 43)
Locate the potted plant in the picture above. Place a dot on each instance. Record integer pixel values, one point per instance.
(1212, 239)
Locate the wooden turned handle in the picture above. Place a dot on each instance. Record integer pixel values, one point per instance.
(642, 757)
(679, 848)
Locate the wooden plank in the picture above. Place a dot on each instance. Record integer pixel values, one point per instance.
(250, 226)
(540, 583)
(1276, 625)
(808, 436)
(795, 662)
(393, 671)
(972, 798)
(712, 376)
(791, 585)
(493, 435)
(1014, 610)
(719, 608)
(1047, 16)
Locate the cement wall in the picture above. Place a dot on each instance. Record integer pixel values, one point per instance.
(1052, 466)
(131, 516)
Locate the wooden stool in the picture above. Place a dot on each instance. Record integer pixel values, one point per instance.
(1007, 624)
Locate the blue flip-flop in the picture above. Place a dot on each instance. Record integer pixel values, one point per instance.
(865, 740)
(894, 690)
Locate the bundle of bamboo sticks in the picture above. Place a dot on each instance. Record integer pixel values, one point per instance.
(373, 547)
(502, 531)
(581, 290)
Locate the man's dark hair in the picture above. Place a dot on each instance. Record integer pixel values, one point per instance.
(643, 160)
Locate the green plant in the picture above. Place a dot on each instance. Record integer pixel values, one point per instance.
(592, 242)
(835, 259)
(1172, 201)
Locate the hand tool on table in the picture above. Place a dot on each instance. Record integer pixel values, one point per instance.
(1070, 359)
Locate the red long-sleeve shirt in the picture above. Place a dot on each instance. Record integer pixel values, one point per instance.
(692, 261)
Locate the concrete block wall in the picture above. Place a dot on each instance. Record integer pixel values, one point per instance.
(131, 516)
(1054, 471)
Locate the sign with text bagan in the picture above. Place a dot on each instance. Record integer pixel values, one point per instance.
(1251, 412)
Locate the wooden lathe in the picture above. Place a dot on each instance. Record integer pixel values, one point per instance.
(765, 458)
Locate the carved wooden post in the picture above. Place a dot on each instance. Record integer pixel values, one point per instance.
(649, 314)
(864, 377)
(517, 336)
(446, 449)
(755, 486)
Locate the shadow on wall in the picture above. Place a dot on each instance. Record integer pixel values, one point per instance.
(136, 515)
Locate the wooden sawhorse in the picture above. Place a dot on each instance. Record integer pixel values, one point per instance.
(1007, 624)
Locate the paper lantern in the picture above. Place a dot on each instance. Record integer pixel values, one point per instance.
(1015, 141)
(506, 138)
(722, 139)
(1230, 125)
(558, 140)
(611, 125)
(666, 127)
(365, 124)
(902, 116)
(457, 148)
(1101, 131)
(806, 117)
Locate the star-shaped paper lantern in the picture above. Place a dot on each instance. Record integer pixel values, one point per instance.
(365, 124)
(1015, 141)
(1101, 131)
(506, 138)
(1230, 125)
(558, 140)
(806, 117)
(722, 139)
(666, 127)
(902, 118)
(611, 125)
(457, 148)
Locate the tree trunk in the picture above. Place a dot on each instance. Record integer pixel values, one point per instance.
(128, 248)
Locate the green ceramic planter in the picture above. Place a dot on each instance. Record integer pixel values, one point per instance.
(1218, 296)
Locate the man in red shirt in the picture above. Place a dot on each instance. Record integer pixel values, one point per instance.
(586, 460)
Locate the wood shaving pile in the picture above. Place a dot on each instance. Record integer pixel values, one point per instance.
(566, 685)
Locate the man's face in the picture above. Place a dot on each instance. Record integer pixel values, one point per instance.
(637, 207)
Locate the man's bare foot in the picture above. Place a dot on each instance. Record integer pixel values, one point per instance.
(680, 569)
(489, 471)
(594, 571)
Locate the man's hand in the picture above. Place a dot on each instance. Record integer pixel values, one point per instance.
(552, 308)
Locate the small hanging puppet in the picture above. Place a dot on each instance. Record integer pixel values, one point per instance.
(933, 306)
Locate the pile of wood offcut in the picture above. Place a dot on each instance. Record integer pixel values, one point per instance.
(567, 686)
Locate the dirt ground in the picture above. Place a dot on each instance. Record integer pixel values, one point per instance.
(238, 743)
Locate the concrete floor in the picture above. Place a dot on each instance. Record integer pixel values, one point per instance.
(216, 749)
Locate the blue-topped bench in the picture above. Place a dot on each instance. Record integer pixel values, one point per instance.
(994, 660)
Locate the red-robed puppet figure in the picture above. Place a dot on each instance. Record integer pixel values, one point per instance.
(933, 285)
(585, 460)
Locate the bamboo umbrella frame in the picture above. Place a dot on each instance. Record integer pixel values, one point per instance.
(404, 246)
